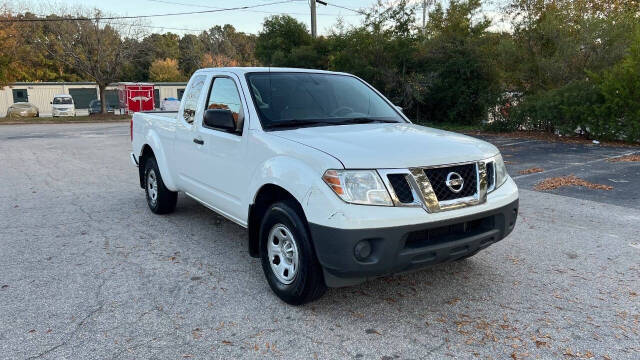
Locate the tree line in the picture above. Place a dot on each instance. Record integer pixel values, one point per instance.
(560, 66)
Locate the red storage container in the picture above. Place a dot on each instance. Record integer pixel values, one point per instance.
(136, 97)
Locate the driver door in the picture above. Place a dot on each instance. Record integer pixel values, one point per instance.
(224, 152)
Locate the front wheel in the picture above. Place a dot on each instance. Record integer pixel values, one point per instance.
(288, 258)
(160, 199)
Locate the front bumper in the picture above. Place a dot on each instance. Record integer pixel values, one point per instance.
(408, 247)
(63, 113)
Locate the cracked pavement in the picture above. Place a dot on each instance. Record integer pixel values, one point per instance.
(88, 272)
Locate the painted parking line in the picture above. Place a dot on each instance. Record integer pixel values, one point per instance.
(518, 143)
(576, 164)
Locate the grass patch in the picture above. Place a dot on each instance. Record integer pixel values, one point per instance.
(452, 127)
(66, 119)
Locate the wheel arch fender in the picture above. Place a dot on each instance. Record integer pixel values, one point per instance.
(154, 145)
(278, 178)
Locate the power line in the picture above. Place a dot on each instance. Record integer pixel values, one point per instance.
(347, 8)
(43, 19)
(160, 27)
(248, 10)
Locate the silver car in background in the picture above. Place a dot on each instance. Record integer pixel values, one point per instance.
(22, 109)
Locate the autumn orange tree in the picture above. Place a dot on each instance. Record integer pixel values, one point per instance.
(165, 70)
(8, 39)
(218, 60)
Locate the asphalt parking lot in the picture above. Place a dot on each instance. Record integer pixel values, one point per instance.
(88, 272)
(590, 162)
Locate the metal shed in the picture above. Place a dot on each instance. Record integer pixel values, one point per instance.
(41, 94)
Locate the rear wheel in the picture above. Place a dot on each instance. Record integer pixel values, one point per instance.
(288, 257)
(160, 199)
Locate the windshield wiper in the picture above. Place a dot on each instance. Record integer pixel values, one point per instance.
(302, 123)
(298, 123)
(365, 120)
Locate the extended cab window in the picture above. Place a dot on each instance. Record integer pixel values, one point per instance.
(224, 95)
(191, 96)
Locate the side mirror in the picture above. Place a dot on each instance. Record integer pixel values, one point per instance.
(219, 119)
(399, 108)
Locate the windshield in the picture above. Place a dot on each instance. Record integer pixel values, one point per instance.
(308, 99)
(23, 105)
(62, 100)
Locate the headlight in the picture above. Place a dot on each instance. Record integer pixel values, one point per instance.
(358, 186)
(501, 171)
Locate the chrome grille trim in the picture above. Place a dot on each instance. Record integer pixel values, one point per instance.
(424, 195)
(394, 197)
(421, 182)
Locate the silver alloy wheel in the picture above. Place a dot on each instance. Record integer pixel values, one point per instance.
(152, 186)
(283, 254)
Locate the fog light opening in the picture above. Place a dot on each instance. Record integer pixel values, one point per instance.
(362, 250)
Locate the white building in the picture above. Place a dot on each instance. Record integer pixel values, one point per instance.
(41, 94)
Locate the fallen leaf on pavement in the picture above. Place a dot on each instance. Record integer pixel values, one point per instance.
(626, 158)
(372, 331)
(531, 171)
(570, 180)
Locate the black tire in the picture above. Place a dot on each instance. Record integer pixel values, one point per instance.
(308, 283)
(163, 201)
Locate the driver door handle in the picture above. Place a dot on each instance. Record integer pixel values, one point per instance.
(198, 141)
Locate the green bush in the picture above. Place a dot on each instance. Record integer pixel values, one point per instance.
(605, 106)
(618, 117)
(564, 110)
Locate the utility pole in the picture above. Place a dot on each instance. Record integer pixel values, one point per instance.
(314, 23)
(425, 4)
(424, 14)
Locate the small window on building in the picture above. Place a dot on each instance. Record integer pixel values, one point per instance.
(191, 97)
(180, 93)
(20, 95)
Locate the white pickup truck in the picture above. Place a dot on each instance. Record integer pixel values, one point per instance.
(334, 184)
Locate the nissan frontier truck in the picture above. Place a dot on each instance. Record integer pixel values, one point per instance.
(334, 184)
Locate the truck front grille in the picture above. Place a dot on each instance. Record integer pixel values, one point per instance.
(441, 187)
(401, 188)
(438, 178)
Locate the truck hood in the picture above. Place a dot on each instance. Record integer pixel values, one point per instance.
(380, 146)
